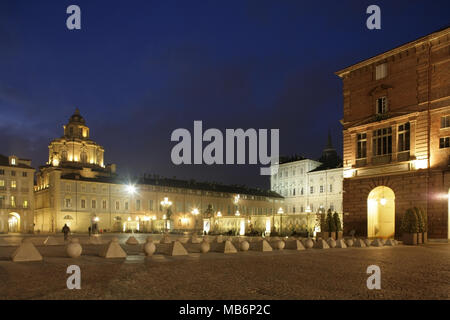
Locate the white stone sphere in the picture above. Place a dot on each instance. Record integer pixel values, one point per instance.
(244, 245)
(331, 243)
(280, 244)
(309, 243)
(349, 242)
(74, 249)
(149, 248)
(204, 246)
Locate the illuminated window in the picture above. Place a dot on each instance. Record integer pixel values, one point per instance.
(25, 203)
(68, 203)
(445, 122)
(382, 141)
(403, 137)
(381, 105)
(381, 71)
(13, 201)
(150, 205)
(444, 142)
(2, 183)
(13, 161)
(361, 144)
(138, 204)
(13, 184)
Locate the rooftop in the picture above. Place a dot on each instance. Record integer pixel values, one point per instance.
(177, 183)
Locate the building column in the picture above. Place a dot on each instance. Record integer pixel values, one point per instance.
(394, 142)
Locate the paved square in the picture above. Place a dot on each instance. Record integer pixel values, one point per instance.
(421, 272)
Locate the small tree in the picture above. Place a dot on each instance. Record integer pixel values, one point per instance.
(337, 221)
(324, 226)
(420, 219)
(330, 222)
(409, 222)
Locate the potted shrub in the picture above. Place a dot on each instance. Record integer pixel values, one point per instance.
(330, 223)
(419, 224)
(409, 227)
(425, 226)
(337, 223)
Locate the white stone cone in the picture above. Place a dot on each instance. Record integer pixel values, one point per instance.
(377, 243)
(261, 245)
(340, 244)
(321, 244)
(391, 242)
(367, 242)
(113, 250)
(132, 241)
(331, 243)
(74, 249)
(359, 243)
(225, 247)
(294, 245)
(26, 252)
(175, 248)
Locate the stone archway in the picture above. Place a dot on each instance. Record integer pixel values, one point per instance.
(381, 213)
(14, 222)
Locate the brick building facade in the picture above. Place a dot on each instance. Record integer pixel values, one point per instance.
(396, 137)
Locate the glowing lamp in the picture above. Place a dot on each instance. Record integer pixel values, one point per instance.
(383, 201)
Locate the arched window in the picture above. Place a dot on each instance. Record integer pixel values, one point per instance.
(83, 157)
(64, 155)
(68, 217)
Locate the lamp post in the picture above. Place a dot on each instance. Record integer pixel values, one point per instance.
(280, 212)
(195, 213)
(166, 204)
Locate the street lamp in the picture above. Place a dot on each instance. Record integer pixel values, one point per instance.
(280, 212)
(166, 205)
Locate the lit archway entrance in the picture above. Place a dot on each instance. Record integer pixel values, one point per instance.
(448, 217)
(14, 222)
(381, 213)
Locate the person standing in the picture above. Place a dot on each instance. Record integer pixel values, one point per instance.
(66, 231)
(90, 230)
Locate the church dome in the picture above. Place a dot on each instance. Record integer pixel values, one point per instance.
(77, 118)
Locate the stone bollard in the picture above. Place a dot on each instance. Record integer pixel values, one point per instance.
(309, 243)
(244, 245)
(74, 249)
(149, 247)
(204, 246)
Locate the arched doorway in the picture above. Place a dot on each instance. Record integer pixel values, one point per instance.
(448, 217)
(381, 213)
(14, 222)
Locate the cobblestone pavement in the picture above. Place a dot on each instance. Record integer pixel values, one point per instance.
(421, 272)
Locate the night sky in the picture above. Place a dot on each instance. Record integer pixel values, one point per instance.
(138, 70)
